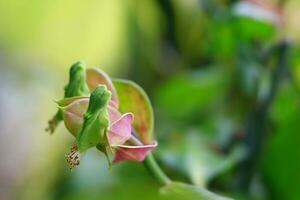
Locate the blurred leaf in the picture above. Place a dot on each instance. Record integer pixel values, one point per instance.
(281, 159)
(222, 40)
(204, 163)
(264, 85)
(249, 75)
(194, 156)
(187, 93)
(133, 99)
(182, 191)
(249, 29)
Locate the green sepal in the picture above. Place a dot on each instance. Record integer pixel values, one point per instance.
(77, 85)
(95, 120)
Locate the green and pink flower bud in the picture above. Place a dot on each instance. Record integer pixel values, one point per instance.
(77, 86)
(95, 121)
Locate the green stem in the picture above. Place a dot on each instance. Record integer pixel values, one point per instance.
(155, 170)
(151, 164)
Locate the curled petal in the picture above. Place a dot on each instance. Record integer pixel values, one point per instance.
(135, 153)
(120, 130)
(74, 108)
(73, 114)
(67, 101)
(77, 107)
(58, 117)
(72, 122)
(95, 77)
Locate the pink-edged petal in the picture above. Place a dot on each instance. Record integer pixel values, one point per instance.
(120, 131)
(95, 76)
(114, 114)
(73, 114)
(134, 153)
(67, 101)
(77, 107)
(72, 122)
(113, 103)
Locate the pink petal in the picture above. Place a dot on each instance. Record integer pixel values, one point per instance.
(73, 111)
(67, 101)
(73, 114)
(135, 153)
(114, 114)
(120, 130)
(72, 122)
(77, 107)
(95, 77)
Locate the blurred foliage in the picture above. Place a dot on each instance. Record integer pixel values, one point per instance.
(224, 82)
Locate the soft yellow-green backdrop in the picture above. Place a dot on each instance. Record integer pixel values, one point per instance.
(39, 40)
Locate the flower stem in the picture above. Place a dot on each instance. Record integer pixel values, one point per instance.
(151, 164)
(155, 170)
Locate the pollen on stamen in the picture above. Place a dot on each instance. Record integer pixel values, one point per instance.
(73, 158)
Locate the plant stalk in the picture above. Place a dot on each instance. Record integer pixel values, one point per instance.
(152, 166)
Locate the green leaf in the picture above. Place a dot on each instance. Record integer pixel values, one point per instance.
(192, 156)
(186, 94)
(280, 160)
(133, 99)
(95, 120)
(251, 29)
(203, 164)
(182, 191)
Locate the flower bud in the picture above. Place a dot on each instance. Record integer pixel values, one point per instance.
(96, 121)
(76, 87)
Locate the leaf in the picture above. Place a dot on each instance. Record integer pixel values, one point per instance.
(186, 94)
(182, 191)
(203, 164)
(192, 156)
(132, 98)
(280, 160)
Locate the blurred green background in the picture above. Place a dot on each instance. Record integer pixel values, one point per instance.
(223, 77)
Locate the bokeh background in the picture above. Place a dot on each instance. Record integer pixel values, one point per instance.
(223, 77)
